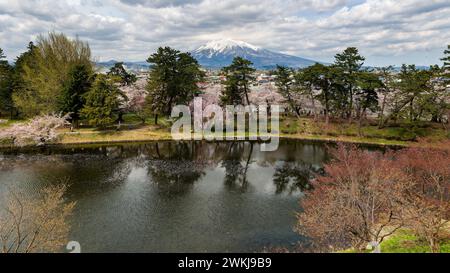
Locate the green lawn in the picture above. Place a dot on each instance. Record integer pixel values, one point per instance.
(404, 241)
(403, 132)
(6, 123)
(132, 129)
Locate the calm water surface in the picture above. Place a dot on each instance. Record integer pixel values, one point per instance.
(174, 197)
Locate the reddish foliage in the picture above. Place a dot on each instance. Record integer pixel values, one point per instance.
(366, 196)
(355, 201)
(428, 202)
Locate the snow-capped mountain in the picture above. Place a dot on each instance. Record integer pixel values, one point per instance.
(220, 53)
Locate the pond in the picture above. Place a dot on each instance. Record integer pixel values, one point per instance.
(174, 196)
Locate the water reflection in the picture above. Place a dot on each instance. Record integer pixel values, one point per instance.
(293, 176)
(236, 164)
(174, 196)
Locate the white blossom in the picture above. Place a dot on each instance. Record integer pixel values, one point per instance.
(38, 131)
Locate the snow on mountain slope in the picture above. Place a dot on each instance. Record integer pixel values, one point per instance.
(220, 53)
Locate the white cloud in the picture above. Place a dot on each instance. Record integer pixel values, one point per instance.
(386, 31)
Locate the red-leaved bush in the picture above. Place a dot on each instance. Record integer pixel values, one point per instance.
(366, 196)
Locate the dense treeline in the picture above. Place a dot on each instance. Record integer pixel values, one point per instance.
(57, 75)
(347, 90)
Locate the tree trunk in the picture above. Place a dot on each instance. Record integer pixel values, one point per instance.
(75, 123)
(435, 118)
(247, 164)
(313, 103)
(362, 115)
(350, 106)
(296, 109)
(120, 118)
(156, 119)
(246, 95)
(394, 113)
(381, 117)
(434, 245)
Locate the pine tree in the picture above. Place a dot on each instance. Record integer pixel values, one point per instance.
(284, 83)
(414, 86)
(72, 97)
(238, 79)
(366, 94)
(350, 61)
(24, 96)
(446, 61)
(102, 102)
(320, 76)
(6, 86)
(172, 80)
(386, 75)
(119, 72)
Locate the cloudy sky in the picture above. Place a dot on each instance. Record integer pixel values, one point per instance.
(385, 31)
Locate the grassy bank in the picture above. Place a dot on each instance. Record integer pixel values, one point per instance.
(5, 123)
(405, 241)
(291, 128)
(144, 133)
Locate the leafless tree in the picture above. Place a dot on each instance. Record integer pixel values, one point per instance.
(357, 202)
(31, 223)
(428, 202)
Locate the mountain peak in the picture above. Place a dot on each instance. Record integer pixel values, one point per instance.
(227, 44)
(220, 53)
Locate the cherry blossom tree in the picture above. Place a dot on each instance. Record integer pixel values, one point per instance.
(38, 131)
(136, 94)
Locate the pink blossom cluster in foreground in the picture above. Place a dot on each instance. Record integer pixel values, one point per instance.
(38, 131)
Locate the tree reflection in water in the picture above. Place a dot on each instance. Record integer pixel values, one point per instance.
(235, 169)
(293, 176)
(175, 167)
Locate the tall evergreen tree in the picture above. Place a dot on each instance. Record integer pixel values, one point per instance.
(238, 79)
(232, 94)
(350, 61)
(435, 102)
(414, 85)
(72, 96)
(284, 83)
(446, 60)
(366, 94)
(22, 89)
(386, 75)
(6, 86)
(119, 72)
(321, 77)
(102, 102)
(173, 80)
